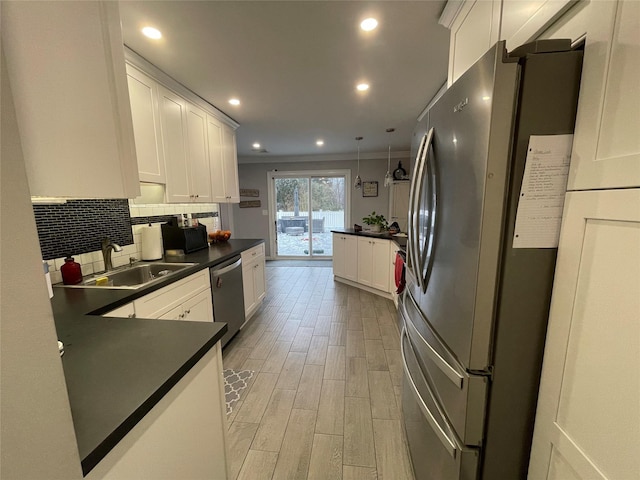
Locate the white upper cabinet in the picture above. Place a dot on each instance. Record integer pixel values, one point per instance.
(523, 21)
(143, 94)
(476, 25)
(66, 66)
(197, 143)
(173, 118)
(606, 147)
(474, 28)
(199, 184)
(223, 162)
(216, 159)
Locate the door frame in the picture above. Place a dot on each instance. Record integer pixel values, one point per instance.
(271, 196)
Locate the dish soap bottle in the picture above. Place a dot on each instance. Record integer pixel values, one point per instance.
(71, 271)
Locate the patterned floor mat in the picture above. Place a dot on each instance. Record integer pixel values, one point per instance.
(234, 382)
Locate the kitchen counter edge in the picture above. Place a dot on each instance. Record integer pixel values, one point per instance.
(97, 346)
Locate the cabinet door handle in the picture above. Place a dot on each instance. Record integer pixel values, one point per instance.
(197, 196)
(181, 315)
(187, 312)
(132, 315)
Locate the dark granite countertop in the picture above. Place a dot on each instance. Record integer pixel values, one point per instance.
(117, 369)
(401, 241)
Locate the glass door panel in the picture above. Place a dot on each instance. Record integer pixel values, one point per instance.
(307, 209)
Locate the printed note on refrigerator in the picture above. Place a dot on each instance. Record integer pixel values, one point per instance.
(542, 193)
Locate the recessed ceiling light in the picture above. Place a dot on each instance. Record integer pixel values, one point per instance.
(368, 24)
(320, 143)
(152, 33)
(234, 101)
(362, 87)
(256, 145)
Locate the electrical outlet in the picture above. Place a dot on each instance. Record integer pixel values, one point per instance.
(265, 213)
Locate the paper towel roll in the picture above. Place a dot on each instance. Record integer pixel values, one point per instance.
(151, 242)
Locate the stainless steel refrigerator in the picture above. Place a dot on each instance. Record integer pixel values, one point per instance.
(475, 310)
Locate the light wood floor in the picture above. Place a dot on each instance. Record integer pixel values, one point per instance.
(324, 401)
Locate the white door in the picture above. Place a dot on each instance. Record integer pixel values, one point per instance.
(200, 185)
(588, 418)
(173, 116)
(143, 93)
(606, 146)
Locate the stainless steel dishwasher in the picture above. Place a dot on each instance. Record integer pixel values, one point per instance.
(228, 297)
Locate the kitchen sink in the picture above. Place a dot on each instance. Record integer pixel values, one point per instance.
(131, 277)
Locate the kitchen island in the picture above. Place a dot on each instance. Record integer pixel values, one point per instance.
(120, 370)
(367, 260)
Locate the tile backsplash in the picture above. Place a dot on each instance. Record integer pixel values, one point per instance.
(77, 226)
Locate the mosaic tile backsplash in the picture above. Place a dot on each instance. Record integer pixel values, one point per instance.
(53, 227)
(78, 226)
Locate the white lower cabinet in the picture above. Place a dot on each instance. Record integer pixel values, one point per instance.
(362, 261)
(345, 259)
(196, 309)
(588, 416)
(373, 263)
(183, 436)
(172, 301)
(253, 279)
(124, 311)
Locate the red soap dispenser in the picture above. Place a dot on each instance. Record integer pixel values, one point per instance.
(71, 271)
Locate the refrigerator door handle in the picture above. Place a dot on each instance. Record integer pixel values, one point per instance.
(417, 248)
(411, 243)
(432, 204)
(447, 443)
(440, 362)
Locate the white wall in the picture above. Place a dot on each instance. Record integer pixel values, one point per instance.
(251, 223)
(37, 436)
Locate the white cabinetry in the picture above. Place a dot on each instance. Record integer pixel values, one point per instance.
(399, 204)
(183, 436)
(478, 24)
(198, 142)
(606, 147)
(253, 278)
(124, 311)
(196, 309)
(345, 256)
(173, 117)
(223, 162)
(373, 263)
(174, 300)
(588, 416)
(143, 94)
(197, 148)
(65, 61)
(475, 27)
(184, 138)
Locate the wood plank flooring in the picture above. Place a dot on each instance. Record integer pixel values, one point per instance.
(324, 400)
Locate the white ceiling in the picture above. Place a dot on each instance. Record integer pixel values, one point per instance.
(294, 66)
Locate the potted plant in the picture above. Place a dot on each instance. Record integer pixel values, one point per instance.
(376, 222)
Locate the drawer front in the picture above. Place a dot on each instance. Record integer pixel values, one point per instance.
(161, 301)
(252, 253)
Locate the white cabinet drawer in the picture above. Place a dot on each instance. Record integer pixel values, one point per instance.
(158, 303)
(121, 312)
(252, 253)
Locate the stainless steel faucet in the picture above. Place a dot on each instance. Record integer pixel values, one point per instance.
(107, 247)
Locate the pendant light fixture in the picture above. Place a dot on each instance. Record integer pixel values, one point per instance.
(358, 183)
(388, 178)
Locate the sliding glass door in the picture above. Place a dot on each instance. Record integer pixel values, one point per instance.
(306, 207)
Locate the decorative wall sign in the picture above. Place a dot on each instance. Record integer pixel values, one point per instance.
(369, 189)
(250, 204)
(249, 192)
